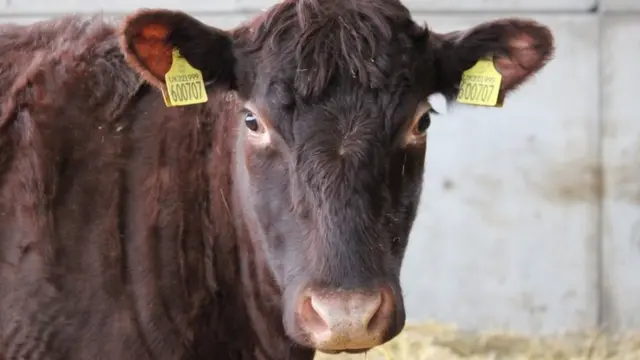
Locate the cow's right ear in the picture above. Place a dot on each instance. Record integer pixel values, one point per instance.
(148, 38)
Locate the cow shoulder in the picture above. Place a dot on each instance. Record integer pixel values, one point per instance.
(62, 66)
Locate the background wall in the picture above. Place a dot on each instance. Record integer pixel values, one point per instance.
(530, 219)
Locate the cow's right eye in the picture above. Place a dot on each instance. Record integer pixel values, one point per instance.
(251, 121)
(423, 123)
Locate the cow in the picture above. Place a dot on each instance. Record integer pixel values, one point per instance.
(268, 222)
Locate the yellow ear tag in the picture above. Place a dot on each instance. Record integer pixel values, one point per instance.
(165, 96)
(185, 85)
(480, 84)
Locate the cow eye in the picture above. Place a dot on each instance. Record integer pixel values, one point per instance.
(251, 121)
(423, 123)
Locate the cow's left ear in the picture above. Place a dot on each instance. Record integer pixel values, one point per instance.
(520, 48)
(148, 38)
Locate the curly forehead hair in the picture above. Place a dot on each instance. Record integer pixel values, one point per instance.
(372, 42)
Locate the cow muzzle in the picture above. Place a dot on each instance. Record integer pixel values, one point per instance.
(353, 321)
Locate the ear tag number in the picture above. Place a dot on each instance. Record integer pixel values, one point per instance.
(185, 85)
(480, 84)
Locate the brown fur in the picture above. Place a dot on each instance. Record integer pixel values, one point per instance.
(126, 227)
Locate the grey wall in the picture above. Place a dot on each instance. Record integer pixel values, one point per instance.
(530, 219)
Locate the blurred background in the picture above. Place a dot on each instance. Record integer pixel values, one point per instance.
(530, 218)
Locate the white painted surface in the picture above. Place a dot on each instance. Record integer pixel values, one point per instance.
(58, 6)
(507, 235)
(62, 6)
(224, 21)
(621, 154)
(620, 5)
(493, 5)
(470, 5)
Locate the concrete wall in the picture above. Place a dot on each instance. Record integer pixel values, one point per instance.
(508, 230)
(530, 219)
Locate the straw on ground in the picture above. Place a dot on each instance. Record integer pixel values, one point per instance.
(441, 342)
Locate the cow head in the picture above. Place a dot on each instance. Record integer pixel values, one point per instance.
(333, 139)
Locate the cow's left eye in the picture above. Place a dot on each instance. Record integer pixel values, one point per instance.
(251, 121)
(423, 123)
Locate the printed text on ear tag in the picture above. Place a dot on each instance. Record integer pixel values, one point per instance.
(480, 85)
(185, 85)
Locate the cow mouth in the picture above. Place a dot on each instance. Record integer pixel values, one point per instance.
(348, 351)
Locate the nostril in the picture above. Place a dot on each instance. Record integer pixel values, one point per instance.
(345, 310)
(370, 308)
(380, 316)
(310, 317)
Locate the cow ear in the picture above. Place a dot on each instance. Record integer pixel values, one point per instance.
(148, 38)
(519, 47)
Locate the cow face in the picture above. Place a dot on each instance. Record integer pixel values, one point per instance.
(332, 140)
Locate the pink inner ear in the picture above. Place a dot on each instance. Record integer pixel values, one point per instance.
(512, 72)
(525, 58)
(152, 56)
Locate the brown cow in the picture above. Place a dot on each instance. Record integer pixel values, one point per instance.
(267, 223)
